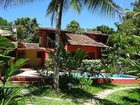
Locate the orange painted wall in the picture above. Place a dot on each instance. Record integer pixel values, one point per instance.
(46, 54)
(86, 49)
(31, 55)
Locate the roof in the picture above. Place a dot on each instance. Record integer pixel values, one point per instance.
(31, 45)
(5, 32)
(63, 30)
(83, 40)
(51, 29)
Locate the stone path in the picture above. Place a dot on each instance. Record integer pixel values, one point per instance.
(26, 92)
(101, 95)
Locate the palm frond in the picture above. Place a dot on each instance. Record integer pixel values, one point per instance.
(105, 7)
(51, 10)
(7, 3)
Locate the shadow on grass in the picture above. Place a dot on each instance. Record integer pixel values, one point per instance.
(77, 95)
(104, 86)
(133, 99)
(38, 90)
(106, 102)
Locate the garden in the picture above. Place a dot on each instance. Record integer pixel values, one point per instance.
(69, 78)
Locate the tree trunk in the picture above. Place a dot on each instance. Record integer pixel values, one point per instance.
(57, 44)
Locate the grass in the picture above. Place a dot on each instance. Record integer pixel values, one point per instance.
(125, 97)
(41, 101)
(78, 95)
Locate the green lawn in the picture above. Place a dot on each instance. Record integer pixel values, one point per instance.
(41, 101)
(125, 97)
(77, 95)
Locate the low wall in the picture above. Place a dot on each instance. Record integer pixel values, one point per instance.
(116, 81)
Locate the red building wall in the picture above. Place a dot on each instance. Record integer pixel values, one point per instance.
(87, 49)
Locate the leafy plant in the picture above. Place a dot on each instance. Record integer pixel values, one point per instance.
(85, 82)
(8, 95)
(92, 66)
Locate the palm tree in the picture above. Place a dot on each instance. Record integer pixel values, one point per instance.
(56, 8)
(8, 3)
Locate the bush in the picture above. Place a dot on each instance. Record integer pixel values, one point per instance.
(92, 66)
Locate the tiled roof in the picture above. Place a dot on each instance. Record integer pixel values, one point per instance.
(83, 40)
(31, 45)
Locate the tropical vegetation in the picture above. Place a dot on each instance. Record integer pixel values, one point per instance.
(56, 8)
(26, 30)
(8, 95)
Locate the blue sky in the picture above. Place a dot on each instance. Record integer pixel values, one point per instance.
(37, 10)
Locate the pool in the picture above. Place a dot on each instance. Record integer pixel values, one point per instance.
(108, 78)
(115, 76)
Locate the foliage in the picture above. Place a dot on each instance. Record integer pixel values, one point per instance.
(135, 66)
(85, 82)
(8, 96)
(56, 8)
(74, 27)
(8, 3)
(11, 96)
(26, 28)
(91, 66)
(70, 61)
(105, 29)
(4, 23)
(131, 24)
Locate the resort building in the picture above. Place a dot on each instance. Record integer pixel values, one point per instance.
(91, 43)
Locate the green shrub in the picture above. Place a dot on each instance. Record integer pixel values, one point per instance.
(92, 66)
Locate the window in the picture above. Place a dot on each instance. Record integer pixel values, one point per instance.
(21, 54)
(90, 55)
(51, 40)
(39, 54)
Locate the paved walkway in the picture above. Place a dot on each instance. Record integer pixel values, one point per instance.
(95, 99)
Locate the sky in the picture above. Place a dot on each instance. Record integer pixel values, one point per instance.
(85, 18)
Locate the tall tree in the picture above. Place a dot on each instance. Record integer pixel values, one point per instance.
(74, 27)
(4, 23)
(105, 29)
(26, 28)
(56, 8)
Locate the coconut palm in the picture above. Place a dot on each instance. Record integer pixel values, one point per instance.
(8, 3)
(56, 8)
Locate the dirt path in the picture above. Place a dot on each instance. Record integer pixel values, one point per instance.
(101, 95)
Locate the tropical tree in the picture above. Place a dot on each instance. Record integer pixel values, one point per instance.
(26, 28)
(4, 23)
(105, 29)
(74, 27)
(56, 8)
